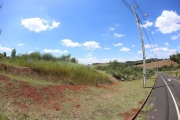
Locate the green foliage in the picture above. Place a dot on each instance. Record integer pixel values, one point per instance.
(74, 60)
(35, 55)
(141, 61)
(4, 54)
(2, 117)
(61, 72)
(175, 57)
(13, 53)
(47, 57)
(1, 55)
(168, 68)
(122, 71)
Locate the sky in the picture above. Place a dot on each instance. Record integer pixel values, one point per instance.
(93, 31)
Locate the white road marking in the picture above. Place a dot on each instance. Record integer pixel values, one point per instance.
(175, 79)
(176, 106)
(169, 79)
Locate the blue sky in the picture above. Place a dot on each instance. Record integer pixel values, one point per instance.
(90, 30)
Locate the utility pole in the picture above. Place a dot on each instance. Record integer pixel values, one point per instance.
(143, 49)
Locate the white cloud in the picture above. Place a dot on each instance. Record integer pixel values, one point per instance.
(55, 51)
(152, 32)
(21, 44)
(133, 45)
(37, 24)
(150, 46)
(139, 52)
(175, 37)
(168, 22)
(5, 49)
(147, 24)
(116, 25)
(54, 24)
(89, 55)
(124, 49)
(167, 44)
(37, 48)
(178, 47)
(106, 35)
(118, 35)
(69, 43)
(88, 60)
(92, 45)
(107, 48)
(163, 51)
(111, 29)
(118, 44)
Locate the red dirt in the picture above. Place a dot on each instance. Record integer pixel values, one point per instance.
(78, 106)
(38, 96)
(159, 64)
(26, 96)
(129, 115)
(4, 78)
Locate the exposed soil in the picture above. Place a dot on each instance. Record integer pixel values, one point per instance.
(159, 64)
(49, 96)
(129, 115)
(26, 96)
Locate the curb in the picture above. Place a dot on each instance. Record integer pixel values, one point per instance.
(134, 117)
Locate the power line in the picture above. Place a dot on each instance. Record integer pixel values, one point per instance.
(6, 40)
(144, 20)
(155, 55)
(127, 5)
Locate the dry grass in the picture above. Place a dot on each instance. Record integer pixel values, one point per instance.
(159, 64)
(100, 64)
(103, 102)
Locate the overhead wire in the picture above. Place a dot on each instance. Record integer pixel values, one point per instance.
(147, 26)
(127, 5)
(152, 47)
(6, 40)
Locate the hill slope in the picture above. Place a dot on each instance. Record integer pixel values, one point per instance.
(159, 64)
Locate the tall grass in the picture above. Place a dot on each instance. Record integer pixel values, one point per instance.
(65, 72)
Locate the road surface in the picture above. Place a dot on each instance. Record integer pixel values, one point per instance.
(165, 99)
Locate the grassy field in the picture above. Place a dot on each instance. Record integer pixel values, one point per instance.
(61, 72)
(100, 64)
(159, 64)
(175, 73)
(32, 98)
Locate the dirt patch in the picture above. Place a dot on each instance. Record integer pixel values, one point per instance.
(24, 95)
(159, 64)
(4, 78)
(106, 86)
(129, 115)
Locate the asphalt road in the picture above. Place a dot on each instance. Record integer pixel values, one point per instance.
(165, 98)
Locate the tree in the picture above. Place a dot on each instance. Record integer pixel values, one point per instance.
(74, 60)
(35, 55)
(4, 54)
(47, 56)
(13, 53)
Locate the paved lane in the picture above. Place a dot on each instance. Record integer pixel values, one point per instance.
(165, 98)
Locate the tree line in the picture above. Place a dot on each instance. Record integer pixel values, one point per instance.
(38, 56)
(175, 57)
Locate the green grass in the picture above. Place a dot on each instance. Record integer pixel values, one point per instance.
(175, 73)
(64, 72)
(3, 117)
(96, 103)
(34, 81)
